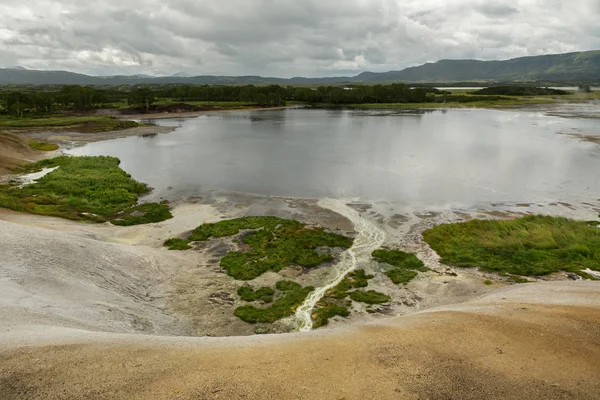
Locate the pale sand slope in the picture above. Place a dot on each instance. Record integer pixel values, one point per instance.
(539, 341)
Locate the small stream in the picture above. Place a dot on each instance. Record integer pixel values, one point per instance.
(369, 237)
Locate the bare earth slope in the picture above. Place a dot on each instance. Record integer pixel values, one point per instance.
(83, 317)
(14, 151)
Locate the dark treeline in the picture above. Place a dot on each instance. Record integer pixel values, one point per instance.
(77, 98)
(519, 91)
(83, 98)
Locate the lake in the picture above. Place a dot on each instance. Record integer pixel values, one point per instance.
(427, 159)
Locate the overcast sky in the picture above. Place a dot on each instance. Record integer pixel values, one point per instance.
(284, 38)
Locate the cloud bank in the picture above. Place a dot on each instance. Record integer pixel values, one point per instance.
(284, 38)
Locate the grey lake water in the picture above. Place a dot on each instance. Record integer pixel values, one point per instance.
(428, 159)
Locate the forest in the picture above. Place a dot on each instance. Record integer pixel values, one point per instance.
(47, 100)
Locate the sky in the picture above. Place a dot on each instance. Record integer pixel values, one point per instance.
(284, 38)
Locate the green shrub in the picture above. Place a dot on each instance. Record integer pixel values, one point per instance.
(529, 246)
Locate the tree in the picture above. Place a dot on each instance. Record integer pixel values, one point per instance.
(141, 97)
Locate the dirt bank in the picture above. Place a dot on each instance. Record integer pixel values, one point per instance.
(66, 137)
(15, 151)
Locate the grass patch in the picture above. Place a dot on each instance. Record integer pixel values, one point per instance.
(407, 265)
(264, 294)
(177, 244)
(488, 282)
(529, 246)
(82, 188)
(326, 310)
(143, 214)
(370, 297)
(42, 146)
(274, 244)
(292, 295)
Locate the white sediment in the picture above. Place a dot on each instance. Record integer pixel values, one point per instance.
(31, 178)
(369, 237)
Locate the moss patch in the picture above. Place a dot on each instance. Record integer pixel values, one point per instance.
(143, 214)
(529, 246)
(264, 294)
(274, 244)
(42, 146)
(407, 265)
(370, 297)
(291, 296)
(177, 244)
(326, 309)
(334, 302)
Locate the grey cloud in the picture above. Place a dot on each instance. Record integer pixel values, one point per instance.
(285, 37)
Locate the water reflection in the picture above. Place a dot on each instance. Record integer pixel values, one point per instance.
(423, 157)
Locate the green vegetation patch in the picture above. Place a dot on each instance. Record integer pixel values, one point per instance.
(334, 303)
(325, 309)
(143, 214)
(407, 265)
(42, 146)
(291, 297)
(82, 188)
(370, 297)
(354, 280)
(178, 244)
(264, 294)
(274, 244)
(529, 246)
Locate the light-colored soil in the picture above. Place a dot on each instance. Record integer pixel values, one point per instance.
(15, 151)
(536, 341)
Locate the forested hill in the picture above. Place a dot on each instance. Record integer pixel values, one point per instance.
(570, 67)
(583, 67)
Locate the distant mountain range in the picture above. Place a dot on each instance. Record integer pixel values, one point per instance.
(581, 67)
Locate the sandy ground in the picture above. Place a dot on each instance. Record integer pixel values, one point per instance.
(537, 341)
